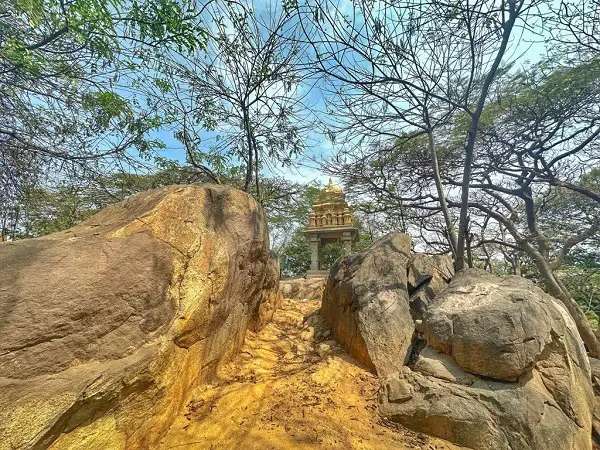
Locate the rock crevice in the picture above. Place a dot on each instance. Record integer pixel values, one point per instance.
(482, 361)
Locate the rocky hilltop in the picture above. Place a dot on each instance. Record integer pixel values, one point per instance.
(485, 362)
(106, 327)
(150, 326)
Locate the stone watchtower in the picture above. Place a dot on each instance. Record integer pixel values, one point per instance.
(330, 221)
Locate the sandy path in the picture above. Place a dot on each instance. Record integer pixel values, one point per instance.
(289, 390)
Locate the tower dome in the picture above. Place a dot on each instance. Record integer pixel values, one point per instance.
(332, 193)
(334, 188)
(330, 208)
(330, 221)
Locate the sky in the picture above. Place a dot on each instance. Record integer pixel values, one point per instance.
(318, 145)
(305, 169)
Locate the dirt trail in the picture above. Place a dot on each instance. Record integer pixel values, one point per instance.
(291, 387)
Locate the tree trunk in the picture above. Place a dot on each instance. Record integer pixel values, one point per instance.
(250, 164)
(556, 289)
(440, 191)
(469, 251)
(470, 145)
(488, 259)
(517, 264)
(256, 169)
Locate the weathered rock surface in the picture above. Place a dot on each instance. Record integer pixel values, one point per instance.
(107, 326)
(504, 369)
(595, 370)
(423, 267)
(367, 304)
(302, 288)
(271, 296)
(595, 367)
(495, 327)
(427, 275)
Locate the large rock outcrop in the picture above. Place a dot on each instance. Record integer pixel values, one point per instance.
(107, 326)
(504, 369)
(369, 297)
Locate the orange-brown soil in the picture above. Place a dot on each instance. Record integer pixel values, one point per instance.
(290, 388)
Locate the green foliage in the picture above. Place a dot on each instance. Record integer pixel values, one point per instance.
(583, 284)
(581, 275)
(364, 241)
(592, 318)
(330, 253)
(73, 79)
(51, 211)
(539, 94)
(107, 28)
(158, 19)
(295, 256)
(288, 206)
(591, 180)
(106, 106)
(122, 185)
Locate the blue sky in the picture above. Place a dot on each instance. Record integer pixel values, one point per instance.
(318, 146)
